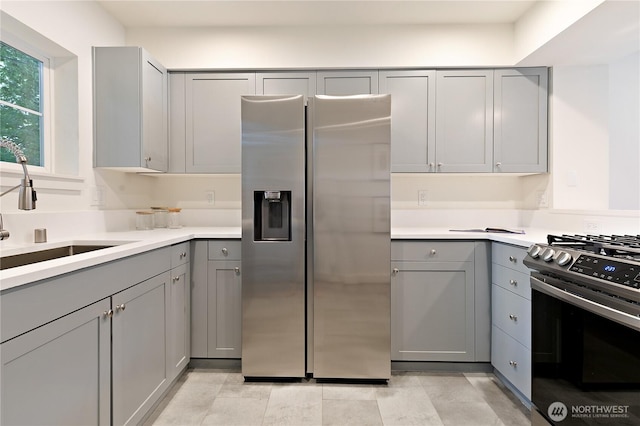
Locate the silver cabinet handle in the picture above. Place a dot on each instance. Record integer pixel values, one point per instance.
(513, 259)
(513, 363)
(433, 252)
(513, 282)
(498, 164)
(439, 165)
(107, 314)
(395, 271)
(176, 278)
(225, 251)
(431, 165)
(120, 307)
(236, 270)
(147, 159)
(183, 255)
(513, 317)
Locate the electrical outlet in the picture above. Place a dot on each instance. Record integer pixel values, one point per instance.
(543, 200)
(211, 197)
(592, 227)
(97, 196)
(422, 197)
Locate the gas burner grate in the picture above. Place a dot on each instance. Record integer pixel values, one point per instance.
(627, 246)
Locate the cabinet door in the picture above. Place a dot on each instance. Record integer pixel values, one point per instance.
(177, 123)
(343, 83)
(520, 120)
(59, 374)
(129, 109)
(179, 344)
(432, 311)
(139, 371)
(213, 124)
(286, 83)
(224, 296)
(464, 121)
(413, 98)
(154, 113)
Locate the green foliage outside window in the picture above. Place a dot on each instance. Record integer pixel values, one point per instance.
(20, 103)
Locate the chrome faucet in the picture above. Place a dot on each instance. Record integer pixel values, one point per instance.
(27, 196)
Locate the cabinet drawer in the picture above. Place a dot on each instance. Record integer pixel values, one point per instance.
(511, 280)
(224, 250)
(509, 256)
(512, 314)
(432, 251)
(511, 359)
(180, 254)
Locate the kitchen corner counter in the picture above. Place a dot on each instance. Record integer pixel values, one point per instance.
(126, 243)
(531, 236)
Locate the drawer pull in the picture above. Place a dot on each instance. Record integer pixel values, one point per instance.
(514, 364)
(513, 282)
(236, 270)
(395, 271)
(513, 259)
(175, 279)
(107, 314)
(513, 317)
(433, 252)
(183, 255)
(120, 307)
(225, 252)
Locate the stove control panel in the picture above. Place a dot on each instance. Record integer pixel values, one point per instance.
(606, 269)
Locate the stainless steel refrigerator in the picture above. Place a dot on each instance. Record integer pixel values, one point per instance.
(316, 237)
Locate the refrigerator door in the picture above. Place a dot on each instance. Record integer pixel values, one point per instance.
(273, 236)
(351, 240)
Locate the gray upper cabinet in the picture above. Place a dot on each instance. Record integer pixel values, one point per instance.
(286, 83)
(413, 99)
(212, 121)
(130, 110)
(344, 83)
(520, 120)
(464, 121)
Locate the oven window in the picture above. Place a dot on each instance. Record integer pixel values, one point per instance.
(586, 368)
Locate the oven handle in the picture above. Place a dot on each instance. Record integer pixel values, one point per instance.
(588, 305)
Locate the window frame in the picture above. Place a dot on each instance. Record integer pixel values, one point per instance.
(46, 95)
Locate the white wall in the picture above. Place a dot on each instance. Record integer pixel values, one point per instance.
(327, 47)
(624, 133)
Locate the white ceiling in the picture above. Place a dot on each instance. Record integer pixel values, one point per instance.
(203, 13)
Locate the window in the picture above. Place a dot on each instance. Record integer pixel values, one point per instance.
(22, 104)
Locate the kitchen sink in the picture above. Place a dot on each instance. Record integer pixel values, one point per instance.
(29, 258)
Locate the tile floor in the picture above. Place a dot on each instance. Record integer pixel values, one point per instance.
(221, 397)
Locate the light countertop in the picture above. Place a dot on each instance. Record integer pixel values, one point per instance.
(128, 243)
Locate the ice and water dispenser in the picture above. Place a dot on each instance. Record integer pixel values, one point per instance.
(272, 215)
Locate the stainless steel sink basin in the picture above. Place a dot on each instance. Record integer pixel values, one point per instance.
(29, 258)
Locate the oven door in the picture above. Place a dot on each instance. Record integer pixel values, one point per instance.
(585, 358)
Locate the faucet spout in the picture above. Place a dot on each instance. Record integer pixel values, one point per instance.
(27, 195)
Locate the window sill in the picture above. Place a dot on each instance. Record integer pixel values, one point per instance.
(42, 180)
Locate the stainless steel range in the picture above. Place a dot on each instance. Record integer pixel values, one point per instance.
(586, 330)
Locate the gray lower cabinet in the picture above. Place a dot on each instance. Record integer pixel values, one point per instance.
(216, 299)
(511, 317)
(139, 374)
(179, 315)
(59, 374)
(66, 359)
(439, 310)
